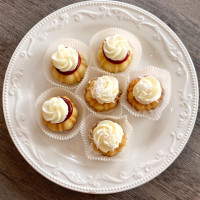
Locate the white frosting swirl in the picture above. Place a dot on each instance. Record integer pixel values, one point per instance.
(65, 59)
(147, 90)
(107, 135)
(116, 47)
(55, 110)
(105, 89)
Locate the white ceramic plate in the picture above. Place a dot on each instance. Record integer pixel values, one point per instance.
(155, 145)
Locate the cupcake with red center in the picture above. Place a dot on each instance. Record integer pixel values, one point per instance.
(115, 50)
(115, 54)
(68, 65)
(59, 113)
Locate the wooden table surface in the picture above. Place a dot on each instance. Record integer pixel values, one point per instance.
(19, 181)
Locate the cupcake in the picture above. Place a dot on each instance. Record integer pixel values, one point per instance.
(103, 93)
(59, 113)
(68, 65)
(108, 138)
(144, 93)
(115, 54)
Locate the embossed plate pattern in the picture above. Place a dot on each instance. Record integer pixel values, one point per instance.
(155, 145)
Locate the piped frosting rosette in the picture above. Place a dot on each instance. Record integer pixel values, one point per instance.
(65, 59)
(55, 110)
(52, 106)
(154, 82)
(105, 89)
(147, 90)
(116, 47)
(107, 135)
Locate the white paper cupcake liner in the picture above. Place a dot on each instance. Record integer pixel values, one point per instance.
(53, 92)
(164, 78)
(77, 45)
(100, 36)
(95, 73)
(89, 122)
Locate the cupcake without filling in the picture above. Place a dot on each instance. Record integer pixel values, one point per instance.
(144, 93)
(59, 113)
(67, 65)
(103, 93)
(108, 138)
(115, 54)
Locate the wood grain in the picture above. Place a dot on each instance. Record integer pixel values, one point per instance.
(17, 178)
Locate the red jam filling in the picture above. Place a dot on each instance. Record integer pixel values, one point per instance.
(71, 72)
(116, 61)
(70, 108)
